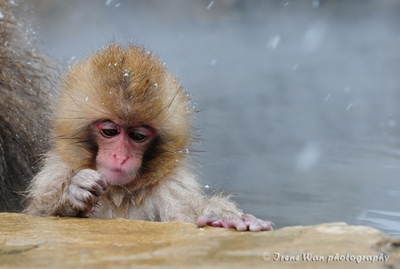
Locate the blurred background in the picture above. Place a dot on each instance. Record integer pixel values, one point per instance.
(299, 99)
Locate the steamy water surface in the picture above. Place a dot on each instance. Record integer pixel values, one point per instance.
(299, 100)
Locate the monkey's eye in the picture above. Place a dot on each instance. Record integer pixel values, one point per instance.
(109, 132)
(140, 134)
(108, 129)
(137, 137)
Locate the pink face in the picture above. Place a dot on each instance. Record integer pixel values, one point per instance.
(121, 150)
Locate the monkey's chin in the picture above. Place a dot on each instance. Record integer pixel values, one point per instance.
(117, 177)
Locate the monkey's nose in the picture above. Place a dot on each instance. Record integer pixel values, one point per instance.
(120, 159)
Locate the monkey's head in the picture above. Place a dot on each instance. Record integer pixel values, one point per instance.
(122, 113)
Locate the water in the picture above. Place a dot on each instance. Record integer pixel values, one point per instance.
(300, 99)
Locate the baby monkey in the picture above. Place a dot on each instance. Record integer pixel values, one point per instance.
(121, 130)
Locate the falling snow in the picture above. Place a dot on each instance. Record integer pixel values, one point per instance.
(308, 157)
(349, 106)
(315, 3)
(274, 41)
(326, 99)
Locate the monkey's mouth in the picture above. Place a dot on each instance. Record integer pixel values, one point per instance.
(117, 176)
(118, 172)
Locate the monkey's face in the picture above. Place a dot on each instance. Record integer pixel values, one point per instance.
(122, 113)
(120, 150)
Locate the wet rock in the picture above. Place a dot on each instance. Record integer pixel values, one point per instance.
(35, 242)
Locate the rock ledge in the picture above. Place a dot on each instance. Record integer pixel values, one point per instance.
(35, 242)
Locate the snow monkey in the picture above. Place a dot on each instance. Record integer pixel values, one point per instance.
(121, 130)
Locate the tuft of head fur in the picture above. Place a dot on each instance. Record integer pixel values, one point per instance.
(130, 86)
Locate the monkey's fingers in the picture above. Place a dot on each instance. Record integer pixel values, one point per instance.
(91, 181)
(95, 188)
(255, 224)
(101, 182)
(80, 199)
(234, 222)
(205, 220)
(247, 222)
(226, 222)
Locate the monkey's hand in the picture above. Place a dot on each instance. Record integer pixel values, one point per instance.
(245, 222)
(82, 194)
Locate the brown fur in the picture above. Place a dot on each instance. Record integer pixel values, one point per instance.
(131, 85)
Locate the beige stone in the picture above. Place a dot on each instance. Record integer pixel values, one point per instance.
(35, 242)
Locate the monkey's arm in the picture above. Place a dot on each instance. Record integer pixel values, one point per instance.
(181, 199)
(178, 197)
(58, 191)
